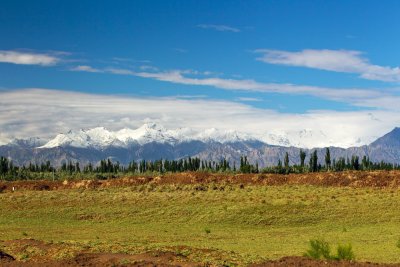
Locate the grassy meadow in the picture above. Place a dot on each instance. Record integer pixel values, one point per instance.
(225, 223)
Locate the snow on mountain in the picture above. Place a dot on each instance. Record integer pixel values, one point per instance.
(149, 132)
(221, 136)
(97, 137)
(100, 137)
(307, 138)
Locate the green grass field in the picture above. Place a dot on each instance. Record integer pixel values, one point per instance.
(239, 225)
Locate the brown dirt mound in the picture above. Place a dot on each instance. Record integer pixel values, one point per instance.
(42, 254)
(378, 179)
(38, 253)
(168, 259)
(161, 259)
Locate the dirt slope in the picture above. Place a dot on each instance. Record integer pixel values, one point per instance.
(379, 179)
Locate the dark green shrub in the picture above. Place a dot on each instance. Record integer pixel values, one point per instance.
(345, 252)
(318, 249)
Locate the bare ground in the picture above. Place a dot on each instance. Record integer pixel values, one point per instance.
(156, 258)
(380, 179)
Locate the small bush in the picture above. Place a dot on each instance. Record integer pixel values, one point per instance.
(207, 230)
(318, 249)
(398, 243)
(345, 252)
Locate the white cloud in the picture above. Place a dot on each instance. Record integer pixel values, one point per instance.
(44, 113)
(85, 68)
(354, 96)
(249, 99)
(148, 68)
(348, 61)
(27, 58)
(221, 28)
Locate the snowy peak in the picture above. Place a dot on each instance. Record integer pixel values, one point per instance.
(97, 137)
(100, 137)
(220, 136)
(308, 138)
(149, 132)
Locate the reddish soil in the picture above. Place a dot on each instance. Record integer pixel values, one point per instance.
(380, 179)
(167, 259)
(44, 256)
(104, 259)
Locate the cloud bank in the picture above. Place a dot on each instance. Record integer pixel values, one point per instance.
(44, 113)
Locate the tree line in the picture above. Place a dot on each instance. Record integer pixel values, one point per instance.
(107, 167)
(336, 165)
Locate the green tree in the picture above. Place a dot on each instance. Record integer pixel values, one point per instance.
(286, 162)
(279, 167)
(314, 166)
(328, 159)
(355, 164)
(302, 158)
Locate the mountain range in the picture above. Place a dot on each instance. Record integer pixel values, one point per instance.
(152, 141)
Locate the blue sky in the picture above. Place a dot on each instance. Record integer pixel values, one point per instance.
(299, 60)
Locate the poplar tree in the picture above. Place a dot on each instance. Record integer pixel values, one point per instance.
(328, 159)
(302, 158)
(286, 162)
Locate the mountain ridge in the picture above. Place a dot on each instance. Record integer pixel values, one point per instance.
(101, 137)
(153, 142)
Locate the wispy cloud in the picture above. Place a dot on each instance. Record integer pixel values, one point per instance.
(131, 60)
(85, 68)
(217, 27)
(249, 99)
(28, 58)
(24, 113)
(355, 96)
(148, 68)
(348, 61)
(180, 50)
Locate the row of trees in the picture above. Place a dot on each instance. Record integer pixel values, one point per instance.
(339, 164)
(107, 166)
(8, 169)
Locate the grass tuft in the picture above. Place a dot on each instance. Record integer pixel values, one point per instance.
(345, 252)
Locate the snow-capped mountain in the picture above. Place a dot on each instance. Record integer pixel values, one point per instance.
(152, 142)
(100, 137)
(307, 138)
(229, 136)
